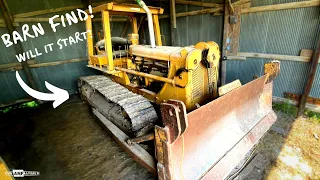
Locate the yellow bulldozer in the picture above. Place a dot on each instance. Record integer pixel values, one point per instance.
(163, 104)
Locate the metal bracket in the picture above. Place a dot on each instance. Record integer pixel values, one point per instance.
(272, 69)
(174, 117)
(182, 114)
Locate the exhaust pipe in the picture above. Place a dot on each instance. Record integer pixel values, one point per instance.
(150, 22)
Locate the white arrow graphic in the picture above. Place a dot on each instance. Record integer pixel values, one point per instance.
(58, 96)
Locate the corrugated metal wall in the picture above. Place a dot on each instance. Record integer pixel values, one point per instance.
(192, 29)
(64, 76)
(283, 32)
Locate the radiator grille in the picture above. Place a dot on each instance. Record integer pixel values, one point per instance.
(198, 82)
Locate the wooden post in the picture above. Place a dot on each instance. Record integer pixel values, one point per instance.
(236, 31)
(173, 22)
(224, 48)
(140, 22)
(17, 47)
(311, 75)
(125, 28)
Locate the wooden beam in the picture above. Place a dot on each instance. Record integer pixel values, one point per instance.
(26, 20)
(140, 22)
(8, 10)
(309, 106)
(14, 66)
(236, 58)
(173, 22)
(125, 28)
(311, 75)
(229, 87)
(197, 12)
(275, 56)
(297, 97)
(193, 13)
(240, 2)
(55, 63)
(306, 52)
(283, 6)
(196, 3)
(231, 7)
(16, 102)
(117, 1)
(33, 64)
(47, 11)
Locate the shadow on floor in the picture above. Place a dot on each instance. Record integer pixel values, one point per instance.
(64, 143)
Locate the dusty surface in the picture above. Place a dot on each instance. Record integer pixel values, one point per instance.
(68, 143)
(290, 150)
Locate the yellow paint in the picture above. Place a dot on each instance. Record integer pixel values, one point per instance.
(99, 60)
(107, 38)
(132, 8)
(193, 85)
(4, 171)
(157, 30)
(134, 25)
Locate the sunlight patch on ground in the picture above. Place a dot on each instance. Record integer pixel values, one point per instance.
(292, 157)
(292, 149)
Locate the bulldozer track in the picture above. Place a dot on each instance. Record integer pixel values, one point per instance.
(140, 111)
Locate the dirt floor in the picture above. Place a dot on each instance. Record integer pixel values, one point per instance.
(68, 143)
(290, 150)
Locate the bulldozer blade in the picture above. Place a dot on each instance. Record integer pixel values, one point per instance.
(218, 136)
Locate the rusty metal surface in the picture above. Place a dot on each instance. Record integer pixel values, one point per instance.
(144, 138)
(230, 160)
(272, 69)
(234, 121)
(170, 118)
(162, 152)
(182, 113)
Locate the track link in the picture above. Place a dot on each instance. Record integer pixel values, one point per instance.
(112, 100)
